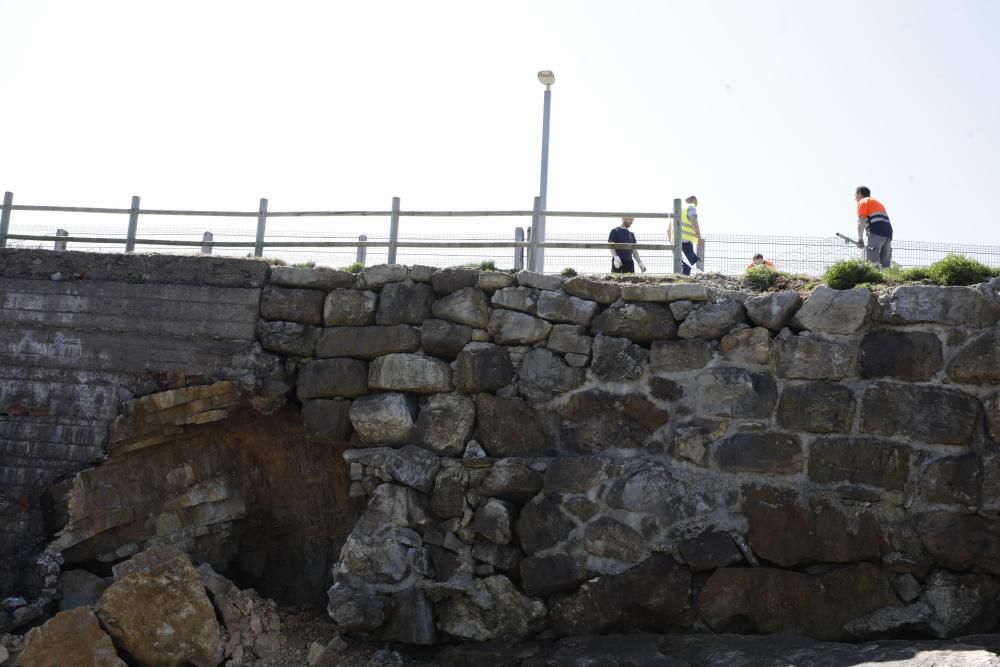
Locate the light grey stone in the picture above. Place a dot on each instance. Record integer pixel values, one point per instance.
(494, 520)
(774, 310)
(543, 375)
(445, 424)
(320, 277)
(377, 277)
(681, 309)
(410, 465)
(592, 290)
(466, 306)
(639, 322)
(650, 293)
(570, 339)
(834, 311)
(411, 373)
(508, 327)
(687, 292)
(349, 307)
(491, 281)
(422, 274)
(812, 358)
(560, 307)
(539, 280)
(383, 419)
(958, 306)
(521, 299)
(712, 320)
(508, 614)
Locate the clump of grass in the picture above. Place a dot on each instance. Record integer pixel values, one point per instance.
(762, 277)
(960, 270)
(276, 261)
(568, 272)
(356, 267)
(848, 273)
(305, 265)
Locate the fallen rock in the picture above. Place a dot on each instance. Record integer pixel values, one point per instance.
(71, 638)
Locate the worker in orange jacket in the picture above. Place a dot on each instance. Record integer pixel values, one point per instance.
(873, 219)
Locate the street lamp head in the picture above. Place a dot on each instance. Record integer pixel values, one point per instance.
(547, 77)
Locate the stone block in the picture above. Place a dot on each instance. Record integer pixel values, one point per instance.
(491, 281)
(289, 338)
(508, 427)
(956, 306)
(834, 311)
(511, 328)
(748, 346)
(607, 538)
(468, 306)
(448, 499)
(868, 461)
(618, 359)
(70, 639)
(420, 273)
(292, 305)
(543, 375)
(444, 339)
(768, 453)
(320, 277)
(675, 356)
(482, 367)
(383, 419)
(539, 280)
(908, 355)
(681, 309)
(80, 588)
(961, 541)
(542, 525)
(445, 424)
(446, 281)
(734, 392)
(563, 308)
(978, 362)
(923, 413)
(367, 342)
(332, 378)
(639, 322)
(521, 299)
(494, 520)
(556, 573)
(510, 480)
(953, 480)
(327, 419)
(377, 277)
(712, 320)
(594, 420)
(592, 290)
(349, 308)
(576, 474)
(410, 373)
(646, 293)
(510, 615)
(773, 311)
(709, 550)
(687, 292)
(404, 303)
(569, 339)
(816, 407)
(811, 358)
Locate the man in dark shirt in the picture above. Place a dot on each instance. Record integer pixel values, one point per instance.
(621, 260)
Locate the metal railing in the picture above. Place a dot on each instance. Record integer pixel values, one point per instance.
(534, 245)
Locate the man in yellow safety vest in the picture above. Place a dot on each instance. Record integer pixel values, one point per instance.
(690, 233)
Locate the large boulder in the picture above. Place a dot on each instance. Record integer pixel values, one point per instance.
(468, 306)
(445, 424)
(595, 420)
(292, 305)
(377, 277)
(561, 307)
(914, 356)
(834, 311)
(349, 308)
(444, 339)
(508, 327)
(411, 373)
(404, 303)
(570, 339)
(508, 427)
(383, 419)
(957, 306)
(367, 342)
(70, 639)
(924, 413)
(773, 311)
(521, 299)
(617, 359)
(762, 599)
(539, 280)
(543, 374)
(712, 320)
(978, 362)
(639, 322)
(177, 624)
(446, 281)
(592, 290)
(482, 367)
(503, 613)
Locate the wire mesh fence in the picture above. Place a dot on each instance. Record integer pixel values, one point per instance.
(723, 253)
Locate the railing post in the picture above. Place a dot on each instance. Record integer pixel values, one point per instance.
(676, 225)
(206, 243)
(393, 231)
(133, 224)
(8, 201)
(60, 245)
(519, 250)
(258, 249)
(700, 251)
(362, 253)
(536, 214)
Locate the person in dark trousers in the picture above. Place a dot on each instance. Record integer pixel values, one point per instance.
(621, 260)
(690, 234)
(873, 219)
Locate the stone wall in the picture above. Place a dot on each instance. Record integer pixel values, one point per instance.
(539, 455)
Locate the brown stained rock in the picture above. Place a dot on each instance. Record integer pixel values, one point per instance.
(961, 541)
(594, 420)
(735, 392)
(765, 600)
(639, 322)
(790, 529)
(177, 625)
(70, 639)
(816, 407)
(748, 346)
(768, 453)
(617, 359)
(508, 427)
(923, 413)
(292, 305)
(652, 596)
(914, 356)
(869, 461)
(673, 356)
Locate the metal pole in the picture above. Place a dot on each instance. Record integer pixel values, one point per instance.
(60, 245)
(206, 243)
(519, 252)
(676, 223)
(133, 224)
(258, 249)
(359, 258)
(8, 201)
(533, 249)
(544, 185)
(393, 231)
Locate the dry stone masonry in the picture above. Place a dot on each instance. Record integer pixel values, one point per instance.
(528, 456)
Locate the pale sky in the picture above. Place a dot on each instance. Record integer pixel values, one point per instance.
(771, 111)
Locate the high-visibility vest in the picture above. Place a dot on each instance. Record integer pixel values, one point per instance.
(687, 227)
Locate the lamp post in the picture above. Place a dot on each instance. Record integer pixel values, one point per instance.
(547, 78)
